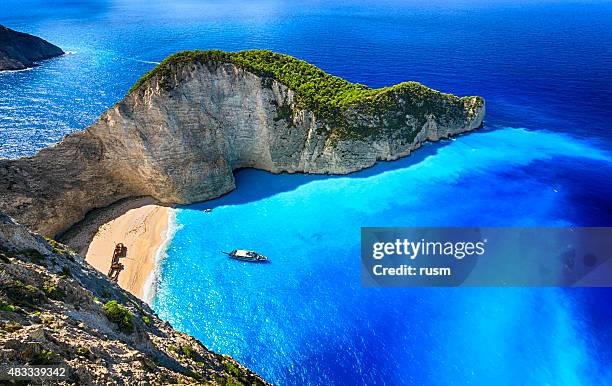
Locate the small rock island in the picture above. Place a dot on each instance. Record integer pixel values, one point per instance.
(199, 115)
(19, 50)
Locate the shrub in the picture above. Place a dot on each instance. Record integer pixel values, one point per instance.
(24, 295)
(192, 374)
(83, 351)
(146, 320)
(52, 291)
(231, 368)
(44, 357)
(119, 315)
(61, 249)
(7, 307)
(56, 246)
(188, 351)
(11, 326)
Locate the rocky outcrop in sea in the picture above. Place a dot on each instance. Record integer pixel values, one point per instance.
(20, 50)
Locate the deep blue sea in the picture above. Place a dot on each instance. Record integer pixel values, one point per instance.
(544, 158)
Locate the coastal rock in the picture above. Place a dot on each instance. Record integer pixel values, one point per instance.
(186, 126)
(55, 309)
(20, 50)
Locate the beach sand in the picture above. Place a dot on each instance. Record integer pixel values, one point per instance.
(144, 231)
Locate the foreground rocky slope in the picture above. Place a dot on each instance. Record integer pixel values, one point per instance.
(184, 128)
(56, 309)
(19, 50)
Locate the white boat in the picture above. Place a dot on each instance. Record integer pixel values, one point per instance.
(244, 255)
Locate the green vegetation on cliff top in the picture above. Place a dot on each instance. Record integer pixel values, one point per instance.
(324, 94)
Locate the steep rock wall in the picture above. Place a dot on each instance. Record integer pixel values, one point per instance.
(179, 138)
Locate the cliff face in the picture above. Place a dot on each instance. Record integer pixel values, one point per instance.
(179, 135)
(19, 50)
(56, 309)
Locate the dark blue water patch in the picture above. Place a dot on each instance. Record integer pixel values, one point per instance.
(585, 184)
(539, 65)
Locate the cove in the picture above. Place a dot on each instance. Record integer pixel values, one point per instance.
(304, 319)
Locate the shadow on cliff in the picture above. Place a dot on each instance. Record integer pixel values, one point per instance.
(254, 184)
(251, 185)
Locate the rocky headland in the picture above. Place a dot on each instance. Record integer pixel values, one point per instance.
(188, 124)
(20, 50)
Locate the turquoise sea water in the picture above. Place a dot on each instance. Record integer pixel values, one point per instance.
(544, 158)
(304, 318)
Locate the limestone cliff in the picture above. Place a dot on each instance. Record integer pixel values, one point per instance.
(182, 130)
(19, 50)
(56, 309)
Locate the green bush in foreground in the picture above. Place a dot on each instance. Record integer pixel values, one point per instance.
(232, 368)
(83, 351)
(44, 357)
(119, 315)
(7, 307)
(188, 352)
(192, 374)
(52, 291)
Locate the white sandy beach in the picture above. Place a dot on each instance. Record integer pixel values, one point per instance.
(144, 231)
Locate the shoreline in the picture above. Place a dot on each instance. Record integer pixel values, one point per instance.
(146, 231)
(149, 287)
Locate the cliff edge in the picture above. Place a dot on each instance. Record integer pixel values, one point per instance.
(55, 309)
(186, 125)
(20, 50)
